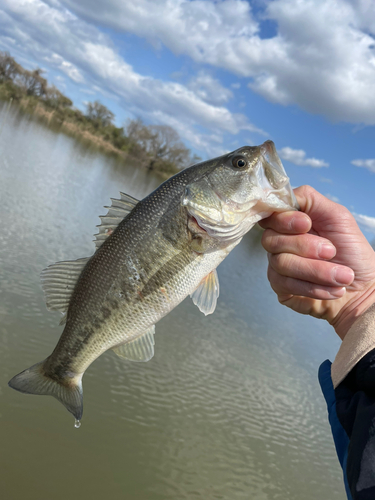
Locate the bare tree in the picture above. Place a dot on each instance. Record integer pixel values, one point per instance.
(158, 146)
(9, 68)
(100, 115)
(32, 82)
(56, 99)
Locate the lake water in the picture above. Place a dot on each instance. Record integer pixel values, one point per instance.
(229, 407)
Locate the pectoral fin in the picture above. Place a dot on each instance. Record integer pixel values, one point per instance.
(140, 349)
(205, 296)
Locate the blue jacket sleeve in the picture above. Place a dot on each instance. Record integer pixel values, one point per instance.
(351, 411)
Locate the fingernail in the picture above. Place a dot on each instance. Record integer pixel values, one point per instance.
(343, 275)
(300, 224)
(326, 251)
(339, 293)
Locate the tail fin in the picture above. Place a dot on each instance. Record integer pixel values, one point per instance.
(67, 391)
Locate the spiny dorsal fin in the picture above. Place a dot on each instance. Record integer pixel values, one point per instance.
(116, 213)
(205, 296)
(140, 349)
(58, 282)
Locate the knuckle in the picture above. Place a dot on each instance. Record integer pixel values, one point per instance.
(270, 240)
(284, 299)
(274, 280)
(265, 238)
(281, 262)
(345, 215)
(301, 244)
(310, 290)
(307, 190)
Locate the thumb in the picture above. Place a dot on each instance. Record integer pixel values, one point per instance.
(328, 218)
(317, 206)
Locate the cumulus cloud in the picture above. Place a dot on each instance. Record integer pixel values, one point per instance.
(53, 34)
(298, 157)
(369, 164)
(322, 57)
(365, 222)
(209, 89)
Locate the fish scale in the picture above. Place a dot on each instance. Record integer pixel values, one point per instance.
(150, 255)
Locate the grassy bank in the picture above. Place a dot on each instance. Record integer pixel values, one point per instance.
(154, 147)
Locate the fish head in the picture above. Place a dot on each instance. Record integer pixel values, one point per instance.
(239, 189)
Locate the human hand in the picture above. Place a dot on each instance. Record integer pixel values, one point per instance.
(320, 263)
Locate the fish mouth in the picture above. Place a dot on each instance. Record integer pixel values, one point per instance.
(228, 219)
(279, 193)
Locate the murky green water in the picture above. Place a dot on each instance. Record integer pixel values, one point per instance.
(229, 407)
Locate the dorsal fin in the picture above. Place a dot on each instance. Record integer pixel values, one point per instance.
(116, 213)
(58, 282)
(205, 296)
(140, 349)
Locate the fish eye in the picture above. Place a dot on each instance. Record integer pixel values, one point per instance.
(239, 162)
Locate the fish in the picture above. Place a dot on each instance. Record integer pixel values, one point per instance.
(150, 255)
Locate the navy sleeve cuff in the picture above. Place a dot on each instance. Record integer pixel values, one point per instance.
(354, 406)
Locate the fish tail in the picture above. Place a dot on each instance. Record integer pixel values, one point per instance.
(67, 390)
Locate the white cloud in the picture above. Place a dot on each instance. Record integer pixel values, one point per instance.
(326, 180)
(322, 57)
(87, 91)
(369, 164)
(298, 157)
(51, 33)
(65, 66)
(365, 222)
(184, 26)
(209, 89)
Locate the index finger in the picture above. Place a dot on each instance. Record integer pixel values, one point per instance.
(287, 222)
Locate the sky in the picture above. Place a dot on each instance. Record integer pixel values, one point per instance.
(224, 74)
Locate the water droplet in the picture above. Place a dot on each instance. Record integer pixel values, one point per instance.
(77, 424)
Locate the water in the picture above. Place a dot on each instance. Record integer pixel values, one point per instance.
(229, 407)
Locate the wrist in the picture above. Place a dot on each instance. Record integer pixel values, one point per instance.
(357, 304)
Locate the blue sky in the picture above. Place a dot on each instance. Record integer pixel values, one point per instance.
(224, 74)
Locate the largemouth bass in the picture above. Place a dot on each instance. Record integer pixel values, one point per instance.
(150, 255)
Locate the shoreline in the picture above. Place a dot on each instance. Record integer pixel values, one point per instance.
(51, 119)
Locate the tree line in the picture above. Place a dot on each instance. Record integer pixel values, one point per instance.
(155, 147)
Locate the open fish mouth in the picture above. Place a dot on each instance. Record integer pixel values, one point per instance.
(228, 214)
(273, 180)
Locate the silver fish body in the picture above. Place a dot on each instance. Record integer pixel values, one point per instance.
(151, 254)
